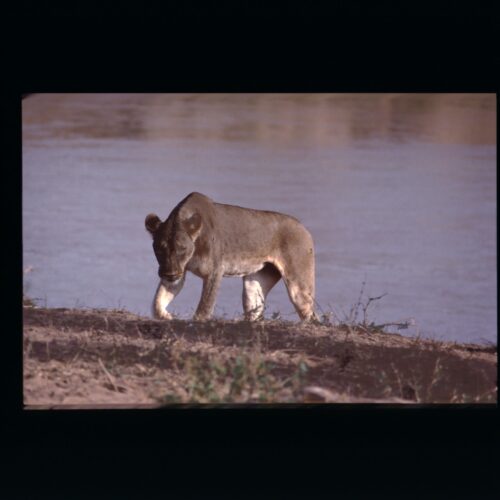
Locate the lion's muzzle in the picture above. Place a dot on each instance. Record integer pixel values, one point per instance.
(169, 276)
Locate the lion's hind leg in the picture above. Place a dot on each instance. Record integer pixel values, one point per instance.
(299, 281)
(256, 286)
(302, 297)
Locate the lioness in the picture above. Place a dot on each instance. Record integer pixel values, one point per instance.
(213, 240)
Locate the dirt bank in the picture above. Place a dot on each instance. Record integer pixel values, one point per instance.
(88, 358)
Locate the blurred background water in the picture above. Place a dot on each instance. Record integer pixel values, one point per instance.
(398, 191)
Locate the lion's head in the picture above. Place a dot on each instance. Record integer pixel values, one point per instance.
(173, 242)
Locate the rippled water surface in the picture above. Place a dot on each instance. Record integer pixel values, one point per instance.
(398, 191)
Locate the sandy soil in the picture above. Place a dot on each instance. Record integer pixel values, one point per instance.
(93, 358)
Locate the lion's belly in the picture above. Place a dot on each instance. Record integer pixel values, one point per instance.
(242, 268)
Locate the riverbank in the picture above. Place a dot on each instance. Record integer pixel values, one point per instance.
(100, 358)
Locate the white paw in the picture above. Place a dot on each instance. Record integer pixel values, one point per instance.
(161, 314)
(165, 315)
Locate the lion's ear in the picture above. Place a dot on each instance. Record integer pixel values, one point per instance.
(193, 225)
(152, 223)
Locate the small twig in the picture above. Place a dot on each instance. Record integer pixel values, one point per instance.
(353, 315)
(370, 300)
(138, 331)
(110, 377)
(74, 358)
(401, 325)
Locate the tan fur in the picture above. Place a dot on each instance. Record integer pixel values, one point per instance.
(213, 240)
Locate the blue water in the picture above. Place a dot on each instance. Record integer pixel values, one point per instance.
(398, 192)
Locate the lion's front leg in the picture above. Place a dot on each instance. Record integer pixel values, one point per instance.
(165, 293)
(208, 295)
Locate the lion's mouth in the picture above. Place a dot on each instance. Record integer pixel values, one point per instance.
(171, 277)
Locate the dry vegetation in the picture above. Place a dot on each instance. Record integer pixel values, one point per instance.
(75, 358)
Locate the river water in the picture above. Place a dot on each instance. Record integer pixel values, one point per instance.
(398, 191)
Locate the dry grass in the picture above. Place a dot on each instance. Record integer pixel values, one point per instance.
(91, 357)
